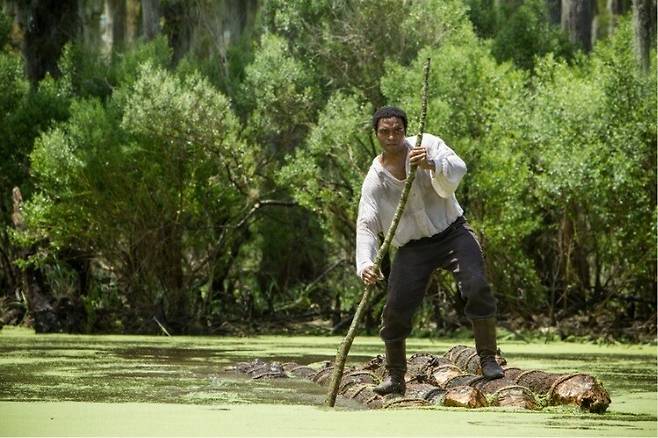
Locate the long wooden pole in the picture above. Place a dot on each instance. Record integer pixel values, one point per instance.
(344, 348)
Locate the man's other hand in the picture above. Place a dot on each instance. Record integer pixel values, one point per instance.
(418, 157)
(371, 276)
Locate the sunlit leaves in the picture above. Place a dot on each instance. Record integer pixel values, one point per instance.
(325, 175)
(145, 175)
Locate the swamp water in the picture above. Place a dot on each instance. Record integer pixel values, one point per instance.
(67, 385)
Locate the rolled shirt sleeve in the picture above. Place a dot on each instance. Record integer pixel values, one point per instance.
(368, 226)
(449, 169)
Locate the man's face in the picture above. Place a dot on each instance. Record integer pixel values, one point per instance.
(390, 133)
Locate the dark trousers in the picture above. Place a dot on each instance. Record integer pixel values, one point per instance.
(455, 249)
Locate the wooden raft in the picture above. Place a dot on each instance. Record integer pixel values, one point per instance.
(452, 379)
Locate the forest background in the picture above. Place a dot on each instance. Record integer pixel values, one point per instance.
(195, 166)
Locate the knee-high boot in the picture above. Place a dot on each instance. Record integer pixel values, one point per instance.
(396, 366)
(484, 331)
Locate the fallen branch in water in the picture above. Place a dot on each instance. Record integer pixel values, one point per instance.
(162, 327)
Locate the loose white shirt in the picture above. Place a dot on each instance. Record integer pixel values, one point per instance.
(430, 209)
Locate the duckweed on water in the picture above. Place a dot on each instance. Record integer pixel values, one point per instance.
(178, 385)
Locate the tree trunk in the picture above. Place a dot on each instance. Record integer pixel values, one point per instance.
(643, 24)
(598, 31)
(9, 275)
(150, 18)
(89, 15)
(46, 25)
(554, 11)
(133, 22)
(223, 22)
(169, 261)
(7, 281)
(178, 24)
(618, 7)
(577, 16)
(117, 12)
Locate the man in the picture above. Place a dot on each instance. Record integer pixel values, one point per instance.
(432, 233)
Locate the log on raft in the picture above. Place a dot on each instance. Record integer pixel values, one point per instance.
(580, 389)
(467, 359)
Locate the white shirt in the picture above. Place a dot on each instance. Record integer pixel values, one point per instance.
(430, 209)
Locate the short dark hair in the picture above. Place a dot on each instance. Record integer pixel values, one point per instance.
(386, 112)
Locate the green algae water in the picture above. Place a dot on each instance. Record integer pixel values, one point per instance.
(67, 385)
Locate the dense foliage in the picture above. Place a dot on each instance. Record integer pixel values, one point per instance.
(171, 191)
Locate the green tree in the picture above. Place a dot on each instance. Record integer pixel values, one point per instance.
(154, 185)
(279, 93)
(346, 44)
(596, 128)
(24, 112)
(325, 177)
(527, 33)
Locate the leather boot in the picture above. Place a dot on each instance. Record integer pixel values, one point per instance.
(396, 366)
(484, 331)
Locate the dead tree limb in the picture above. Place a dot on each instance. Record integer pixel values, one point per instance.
(345, 346)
